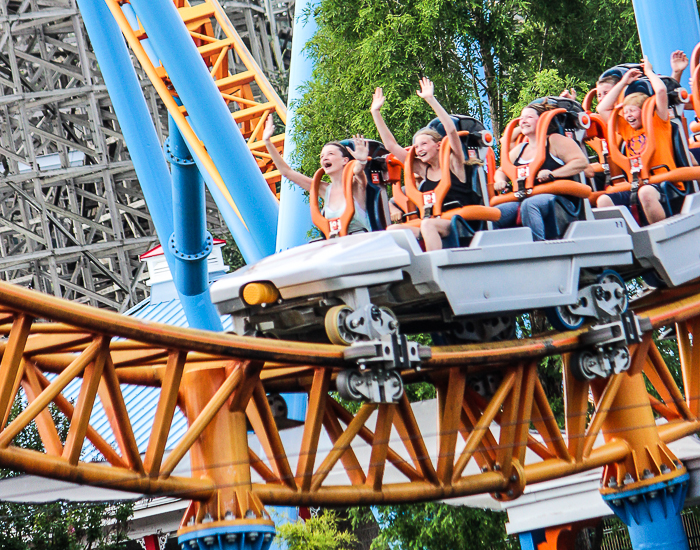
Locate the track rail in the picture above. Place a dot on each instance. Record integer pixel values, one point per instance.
(235, 87)
(481, 444)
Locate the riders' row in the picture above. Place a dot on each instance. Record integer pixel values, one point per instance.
(545, 173)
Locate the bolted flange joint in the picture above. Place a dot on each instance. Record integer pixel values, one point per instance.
(208, 247)
(172, 159)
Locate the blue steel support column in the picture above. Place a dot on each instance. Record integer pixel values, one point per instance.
(190, 242)
(653, 514)
(531, 539)
(295, 216)
(211, 119)
(245, 243)
(142, 140)
(665, 27)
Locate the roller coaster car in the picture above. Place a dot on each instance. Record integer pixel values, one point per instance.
(661, 250)
(364, 287)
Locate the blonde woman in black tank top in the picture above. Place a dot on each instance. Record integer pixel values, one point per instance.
(427, 165)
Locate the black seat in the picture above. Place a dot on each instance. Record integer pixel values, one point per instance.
(474, 146)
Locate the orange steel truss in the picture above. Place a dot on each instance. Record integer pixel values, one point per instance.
(220, 382)
(202, 22)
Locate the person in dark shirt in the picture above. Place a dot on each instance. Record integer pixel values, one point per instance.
(564, 160)
(427, 164)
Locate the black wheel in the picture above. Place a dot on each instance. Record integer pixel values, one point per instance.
(562, 318)
(610, 276)
(580, 364)
(347, 383)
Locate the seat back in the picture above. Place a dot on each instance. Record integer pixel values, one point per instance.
(567, 118)
(477, 145)
(377, 199)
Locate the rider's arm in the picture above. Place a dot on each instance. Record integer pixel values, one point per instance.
(660, 93)
(457, 158)
(679, 62)
(500, 178)
(361, 154)
(292, 175)
(385, 134)
(607, 104)
(568, 150)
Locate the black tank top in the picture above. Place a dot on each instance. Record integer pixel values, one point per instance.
(459, 191)
(550, 163)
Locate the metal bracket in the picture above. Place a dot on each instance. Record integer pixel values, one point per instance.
(377, 380)
(626, 329)
(208, 247)
(392, 351)
(372, 322)
(609, 353)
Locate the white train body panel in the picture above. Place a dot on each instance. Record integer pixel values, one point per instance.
(501, 271)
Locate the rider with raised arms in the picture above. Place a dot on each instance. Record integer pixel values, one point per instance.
(427, 164)
(334, 157)
(632, 132)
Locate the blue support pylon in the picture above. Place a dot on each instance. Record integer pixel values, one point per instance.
(144, 146)
(190, 242)
(530, 540)
(665, 27)
(652, 514)
(232, 537)
(212, 121)
(295, 216)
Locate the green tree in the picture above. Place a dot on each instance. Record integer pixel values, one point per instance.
(437, 526)
(317, 533)
(472, 50)
(59, 525)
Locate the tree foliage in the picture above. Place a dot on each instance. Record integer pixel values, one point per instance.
(437, 526)
(317, 533)
(59, 525)
(484, 56)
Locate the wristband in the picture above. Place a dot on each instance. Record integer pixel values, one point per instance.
(362, 162)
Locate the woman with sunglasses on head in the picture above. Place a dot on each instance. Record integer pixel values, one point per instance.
(427, 164)
(334, 157)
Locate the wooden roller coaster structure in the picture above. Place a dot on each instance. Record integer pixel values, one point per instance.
(220, 382)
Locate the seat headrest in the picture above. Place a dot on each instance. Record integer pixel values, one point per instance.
(619, 70)
(376, 148)
(463, 123)
(571, 105)
(478, 134)
(640, 86)
(676, 93)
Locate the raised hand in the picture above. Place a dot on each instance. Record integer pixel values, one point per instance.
(631, 76)
(377, 100)
(679, 61)
(361, 151)
(569, 94)
(269, 130)
(427, 89)
(646, 65)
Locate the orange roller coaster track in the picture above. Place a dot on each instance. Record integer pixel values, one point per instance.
(484, 444)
